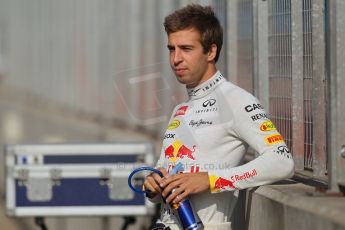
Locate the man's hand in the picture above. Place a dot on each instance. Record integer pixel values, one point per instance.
(152, 182)
(184, 184)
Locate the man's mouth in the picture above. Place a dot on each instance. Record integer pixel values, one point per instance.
(179, 71)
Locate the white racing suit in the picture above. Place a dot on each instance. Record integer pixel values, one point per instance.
(211, 133)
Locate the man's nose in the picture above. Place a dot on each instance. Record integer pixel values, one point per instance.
(177, 57)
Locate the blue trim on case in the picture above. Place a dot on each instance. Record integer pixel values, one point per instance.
(89, 159)
(77, 192)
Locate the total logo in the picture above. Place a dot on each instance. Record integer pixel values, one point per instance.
(177, 150)
(174, 124)
(273, 139)
(267, 126)
(220, 183)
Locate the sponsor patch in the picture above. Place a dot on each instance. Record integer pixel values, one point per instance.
(259, 116)
(283, 150)
(200, 122)
(219, 184)
(169, 136)
(177, 150)
(244, 176)
(267, 126)
(174, 124)
(252, 107)
(273, 139)
(214, 109)
(181, 111)
(209, 103)
(193, 92)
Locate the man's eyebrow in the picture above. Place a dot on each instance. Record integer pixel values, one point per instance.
(180, 46)
(185, 46)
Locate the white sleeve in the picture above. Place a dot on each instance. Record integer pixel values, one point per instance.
(252, 125)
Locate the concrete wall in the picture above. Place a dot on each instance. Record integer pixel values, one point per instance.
(291, 207)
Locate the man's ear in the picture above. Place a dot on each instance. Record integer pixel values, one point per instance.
(212, 52)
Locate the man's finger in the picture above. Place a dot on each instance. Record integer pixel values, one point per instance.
(152, 185)
(164, 172)
(180, 197)
(170, 187)
(168, 180)
(174, 195)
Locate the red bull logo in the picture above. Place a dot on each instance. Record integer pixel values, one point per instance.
(183, 152)
(267, 126)
(244, 176)
(169, 152)
(220, 183)
(177, 150)
(181, 111)
(273, 139)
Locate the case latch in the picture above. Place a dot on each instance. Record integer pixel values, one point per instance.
(118, 188)
(39, 188)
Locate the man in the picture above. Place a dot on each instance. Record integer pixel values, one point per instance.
(210, 133)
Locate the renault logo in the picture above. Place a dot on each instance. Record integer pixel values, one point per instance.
(209, 103)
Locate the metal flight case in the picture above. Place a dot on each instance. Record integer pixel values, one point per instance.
(75, 179)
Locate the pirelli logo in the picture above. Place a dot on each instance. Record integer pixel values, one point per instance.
(274, 139)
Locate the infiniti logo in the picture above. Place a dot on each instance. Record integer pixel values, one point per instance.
(209, 103)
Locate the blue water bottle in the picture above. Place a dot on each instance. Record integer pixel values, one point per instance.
(186, 216)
